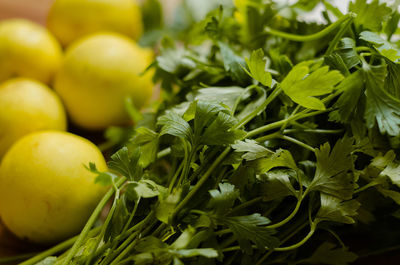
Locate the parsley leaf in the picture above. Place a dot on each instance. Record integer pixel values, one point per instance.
(336, 210)
(380, 106)
(326, 253)
(224, 198)
(249, 229)
(251, 149)
(348, 103)
(127, 163)
(370, 15)
(332, 173)
(302, 87)
(281, 158)
(175, 125)
(257, 70)
(385, 48)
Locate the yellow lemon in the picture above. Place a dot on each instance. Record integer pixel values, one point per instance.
(97, 74)
(27, 49)
(27, 106)
(46, 193)
(72, 19)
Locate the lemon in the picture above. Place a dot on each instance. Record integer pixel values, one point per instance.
(72, 19)
(97, 74)
(46, 193)
(27, 106)
(27, 49)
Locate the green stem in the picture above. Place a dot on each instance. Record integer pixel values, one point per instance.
(289, 217)
(111, 256)
(300, 143)
(92, 219)
(246, 204)
(104, 227)
(57, 248)
(164, 153)
(201, 181)
(316, 131)
(369, 185)
(312, 37)
(298, 229)
(339, 35)
(302, 242)
(260, 108)
(175, 177)
(278, 124)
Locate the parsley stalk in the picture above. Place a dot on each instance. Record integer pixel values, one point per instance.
(314, 36)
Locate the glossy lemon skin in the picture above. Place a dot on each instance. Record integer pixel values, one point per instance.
(70, 20)
(27, 49)
(97, 74)
(26, 106)
(46, 193)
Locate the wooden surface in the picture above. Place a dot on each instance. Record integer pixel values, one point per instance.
(31, 9)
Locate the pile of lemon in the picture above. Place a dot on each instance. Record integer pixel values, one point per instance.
(80, 69)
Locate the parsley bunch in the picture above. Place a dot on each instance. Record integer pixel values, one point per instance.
(275, 141)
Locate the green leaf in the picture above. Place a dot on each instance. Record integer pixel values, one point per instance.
(225, 95)
(393, 172)
(394, 195)
(281, 158)
(250, 229)
(346, 48)
(166, 205)
(370, 15)
(302, 87)
(348, 103)
(333, 173)
(252, 149)
(173, 124)
(126, 163)
(223, 199)
(256, 65)
(280, 62)
(381, 107)
(220, 131)
(276, 184)
(336, 210)
(385, 48)
(103, 178)
(392, 82)
(326, 253)
(146, 188)
(233, 63)
(148, 141)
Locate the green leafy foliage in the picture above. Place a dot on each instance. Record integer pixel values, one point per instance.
(302, 86)
(336, 210)
(249, 229)
(385, 48)
(224, 198)
(381, 107)
(327, 253)
(267, 129)
(256, 64)
(370, 15)
(332, 175)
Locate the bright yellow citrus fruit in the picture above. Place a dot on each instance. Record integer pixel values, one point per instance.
(72, 19)
(27, 49)
(46, 193)
(97, 74)
(27, 106)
